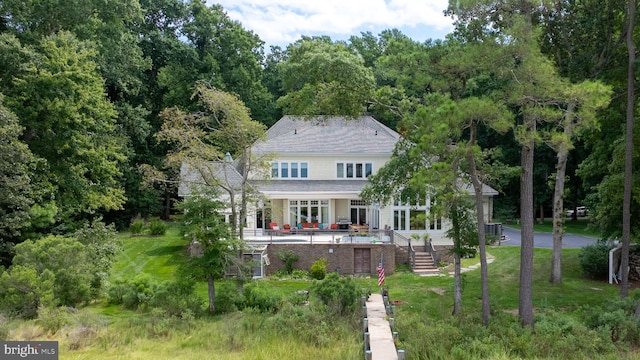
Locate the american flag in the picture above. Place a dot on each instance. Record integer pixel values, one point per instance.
(380, 274)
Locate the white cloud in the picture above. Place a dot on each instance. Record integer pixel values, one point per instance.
(281, 22)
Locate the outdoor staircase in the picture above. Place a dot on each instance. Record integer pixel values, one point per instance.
(424, 264)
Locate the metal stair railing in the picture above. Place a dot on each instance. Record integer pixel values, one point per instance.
(401, 240)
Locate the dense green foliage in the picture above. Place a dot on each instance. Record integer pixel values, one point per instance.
(574, 320)
(594, 260)
(86, 86)
(103, 83)
(289, 259)
(318, 269)
(338, 293)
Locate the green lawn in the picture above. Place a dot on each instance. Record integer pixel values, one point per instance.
(423, 316)
(157, 256)
(581, 226)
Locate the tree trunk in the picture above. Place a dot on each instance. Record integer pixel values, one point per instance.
(628, 156)
(525, 305)
(482, 239)
(541, 219)
(457, 283)
(212, 293)
(558, 201)
(166, 209)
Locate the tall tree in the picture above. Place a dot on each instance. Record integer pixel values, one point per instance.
(628, 153)
(532, 86)
(61, 102)
(19, 191)
(202, 140)
(230, 57)
(211, 240)
(579, 106)
(107, 24)
(433, 161)
(324, 78)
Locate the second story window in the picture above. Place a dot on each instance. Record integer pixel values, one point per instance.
(348, 170)
(289, 170)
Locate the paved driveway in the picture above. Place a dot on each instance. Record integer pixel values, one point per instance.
(545, 240)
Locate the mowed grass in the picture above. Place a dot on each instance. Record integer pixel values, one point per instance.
(122, 334)
(157, 256)
(434, 295)
(581, 226)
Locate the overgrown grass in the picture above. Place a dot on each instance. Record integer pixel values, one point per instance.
(426, 328)
(242, 335)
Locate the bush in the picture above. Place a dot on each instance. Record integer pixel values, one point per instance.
(70, 262)
(289, 258)
(177, 299)
(617, 318)
(137, 227)
(132, 293)
(157, 227)
(52, 319)
(296, 274)
(318, 269)
(338, 293)
(227, 298)
(299, 274)
(594, 260)
(257, 295)
(22, 291)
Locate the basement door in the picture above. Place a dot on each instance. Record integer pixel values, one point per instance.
(361, 261)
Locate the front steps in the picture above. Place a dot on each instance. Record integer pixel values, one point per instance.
(424, 264)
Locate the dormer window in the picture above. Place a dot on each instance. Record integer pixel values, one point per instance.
(353, 170)
(289, 170)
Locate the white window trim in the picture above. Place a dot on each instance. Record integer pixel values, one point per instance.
(289, 167)
(354, 164)
(407, 208)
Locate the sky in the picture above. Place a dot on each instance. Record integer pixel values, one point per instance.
(281, 22)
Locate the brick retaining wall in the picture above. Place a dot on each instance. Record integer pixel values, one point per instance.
(339, 256)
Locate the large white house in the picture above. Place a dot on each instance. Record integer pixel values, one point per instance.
(319, 169)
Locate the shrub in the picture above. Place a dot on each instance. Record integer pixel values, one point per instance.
(594, 259)
(337, 292)
(299, 274)
(4, 328)
(131, 293)
(296, 274)
(52, 319)
(289, 258)
(227, 298)
(257, 295)
(616, 317)
(70, 262)
(157, 227)
(177, 299)
(103, 244)
(137, 226)
(22, 291)
(318, 269)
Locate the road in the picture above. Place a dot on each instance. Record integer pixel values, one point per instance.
(545, 240)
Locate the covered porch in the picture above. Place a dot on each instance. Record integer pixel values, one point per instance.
(314, 206)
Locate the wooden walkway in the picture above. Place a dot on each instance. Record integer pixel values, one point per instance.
(380, 336)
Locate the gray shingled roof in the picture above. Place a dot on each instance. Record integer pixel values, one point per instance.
(329, 135)
(191, 176)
